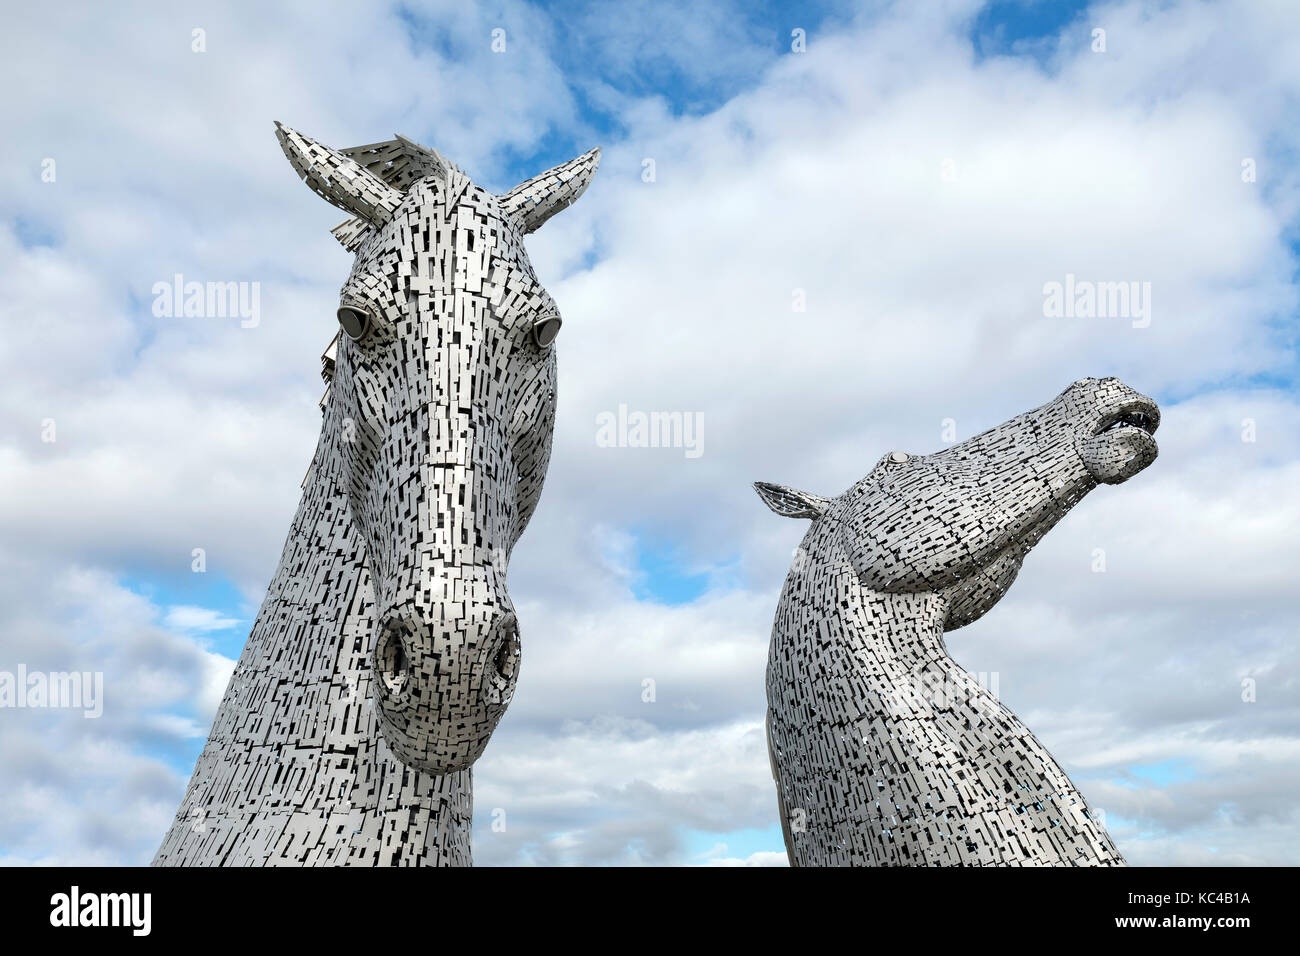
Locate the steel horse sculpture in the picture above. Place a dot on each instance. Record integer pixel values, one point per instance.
(884, 750)
(387, 648)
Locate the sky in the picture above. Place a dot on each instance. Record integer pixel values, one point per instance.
(842, 251)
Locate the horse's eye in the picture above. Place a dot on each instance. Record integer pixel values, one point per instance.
(354, 320)
(545, 330)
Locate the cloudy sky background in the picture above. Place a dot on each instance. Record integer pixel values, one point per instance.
(919, 172)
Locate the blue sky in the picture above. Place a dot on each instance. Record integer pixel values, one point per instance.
(778, 171)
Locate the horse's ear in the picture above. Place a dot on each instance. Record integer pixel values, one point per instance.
(533, 202)
(339, 179)
(790, 502)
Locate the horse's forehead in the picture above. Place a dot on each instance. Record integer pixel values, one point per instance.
(912, 477)
(386, 249)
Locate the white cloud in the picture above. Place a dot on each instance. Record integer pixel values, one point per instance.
(757, 858)
(186, 617)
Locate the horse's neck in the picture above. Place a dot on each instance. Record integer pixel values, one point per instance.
(294, 771)
(887, 752)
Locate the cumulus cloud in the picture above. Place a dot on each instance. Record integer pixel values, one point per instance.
(85, 787)
(839, 250)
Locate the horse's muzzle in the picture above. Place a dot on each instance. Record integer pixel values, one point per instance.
(443, 680)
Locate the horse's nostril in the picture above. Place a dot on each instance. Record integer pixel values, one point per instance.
(506, 660)
(394, 661)
(499, 685)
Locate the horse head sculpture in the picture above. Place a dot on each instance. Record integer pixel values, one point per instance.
(922, 545)
(440, 410)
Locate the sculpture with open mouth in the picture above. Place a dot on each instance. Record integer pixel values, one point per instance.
(885, 751)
